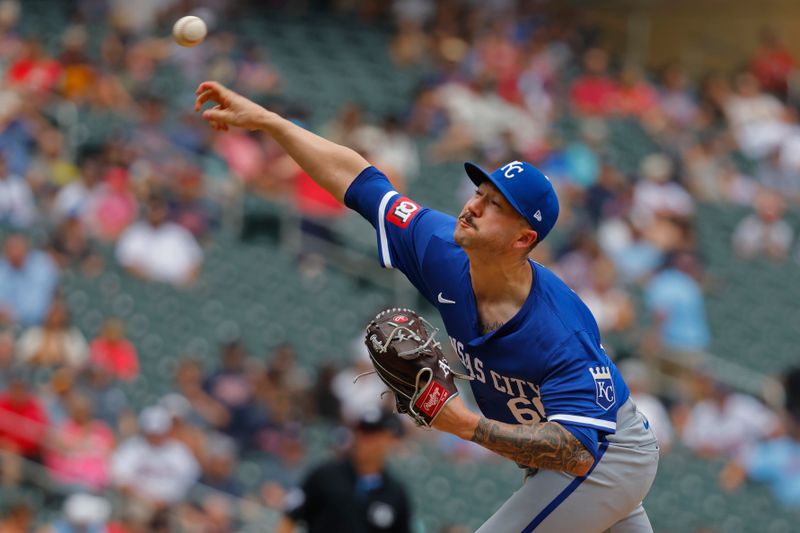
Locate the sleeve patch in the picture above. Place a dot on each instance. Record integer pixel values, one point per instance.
(402, 212)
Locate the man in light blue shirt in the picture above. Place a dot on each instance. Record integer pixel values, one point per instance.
(676, 304)
(28, 280)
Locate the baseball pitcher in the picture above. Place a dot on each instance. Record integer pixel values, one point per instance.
(551, 399)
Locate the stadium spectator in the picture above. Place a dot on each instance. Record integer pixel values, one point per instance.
(189, 205)
(410, 43)
(23, 428)
(83, 513)
(254, 73)
(77, 198)
(611, 305)
(151, 466)
(113, 208)
(635, 95)
(232, 385)
(427, 116)
(344, 128)
(765, 232)
(72, 247)
(33, 70)
(56, 393)
(219, 466)
(79, 450)
(159, 250)
(284, 398)
(207, 411)
(55, 343)
(594, 92)
(575, 166)
(675, 101)
(710, 174)
(112, 351)
(17, 203)
(773, 462)
(283, 370)
(677, 310)
(109, 400)
(287, 466)
(79, 71)
(183, 429)
(576, 264)
(243, 155)
(757, 119)
(773, 63)
(28, 280)
(396, 150)
(657, 196)
(480, 120)
(725, 423)
(50, 167)
(634, 257)
(356, 493)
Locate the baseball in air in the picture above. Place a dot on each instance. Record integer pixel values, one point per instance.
(189, 31)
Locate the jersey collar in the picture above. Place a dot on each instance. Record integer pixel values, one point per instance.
(512, 324)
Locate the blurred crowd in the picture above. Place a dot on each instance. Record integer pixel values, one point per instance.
(94, 158)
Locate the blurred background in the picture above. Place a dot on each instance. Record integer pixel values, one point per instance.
(182, 309)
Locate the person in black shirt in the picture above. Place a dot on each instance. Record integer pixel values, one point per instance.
(354, 494)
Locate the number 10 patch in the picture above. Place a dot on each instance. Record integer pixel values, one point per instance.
(402, 211)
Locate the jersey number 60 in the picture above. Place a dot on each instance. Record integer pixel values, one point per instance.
(526, 411)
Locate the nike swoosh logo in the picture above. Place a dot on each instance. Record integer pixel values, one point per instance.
(443, 300)
(646, 424)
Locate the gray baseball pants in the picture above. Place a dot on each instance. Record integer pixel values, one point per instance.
(608, 499)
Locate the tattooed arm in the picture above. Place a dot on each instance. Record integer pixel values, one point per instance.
(546, 445)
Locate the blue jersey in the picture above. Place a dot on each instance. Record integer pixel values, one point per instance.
(546, 363)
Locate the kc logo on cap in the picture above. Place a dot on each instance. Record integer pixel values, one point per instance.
(512, 169)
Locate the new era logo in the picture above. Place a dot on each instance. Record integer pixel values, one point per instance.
(538, 215)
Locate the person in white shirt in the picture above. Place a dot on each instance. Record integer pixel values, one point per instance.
(656, 195)
(159, 250)
(758, 119)
(725, 423)
(153, 466)
(357, 398)
(55, 343)
(79, 196)
(764, 232)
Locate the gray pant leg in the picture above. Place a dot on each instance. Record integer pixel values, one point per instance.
(529, 501)
(554, 502)
(636, 522)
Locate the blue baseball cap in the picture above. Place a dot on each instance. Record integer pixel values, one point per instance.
(526, 189)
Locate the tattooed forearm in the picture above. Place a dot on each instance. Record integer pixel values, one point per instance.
(545, 445)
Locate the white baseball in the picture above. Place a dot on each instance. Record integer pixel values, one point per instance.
(189, 31)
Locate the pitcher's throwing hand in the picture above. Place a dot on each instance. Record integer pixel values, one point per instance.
(231, 109)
